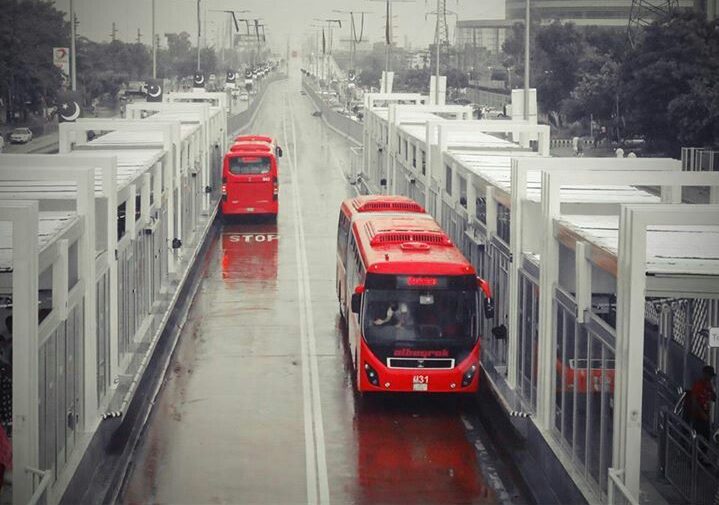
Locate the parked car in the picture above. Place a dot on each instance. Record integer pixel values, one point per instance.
(21, 136)
(244, 97)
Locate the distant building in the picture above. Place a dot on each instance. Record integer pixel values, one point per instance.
(418, 59)
(487, 34)
(581, 12)
(709, 7)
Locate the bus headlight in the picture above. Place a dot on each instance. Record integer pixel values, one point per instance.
(372, 376)
(469, 376)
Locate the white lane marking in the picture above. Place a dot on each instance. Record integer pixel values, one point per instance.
(488, 469)
(314, 427)
(314, 366)
(310, 463)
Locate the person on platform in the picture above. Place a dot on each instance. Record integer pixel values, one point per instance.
(700, 398)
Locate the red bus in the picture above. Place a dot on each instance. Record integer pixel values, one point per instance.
(250, 183)
(414, 315)
(261, 138)
(353, 207)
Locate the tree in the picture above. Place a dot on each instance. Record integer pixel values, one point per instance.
(668, 81)
(28, 32)
(180, 57)
(595, 94)
(559, 52)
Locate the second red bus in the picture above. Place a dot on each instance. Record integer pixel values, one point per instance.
(413, 316)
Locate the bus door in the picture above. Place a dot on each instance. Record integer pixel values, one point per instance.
(251, 183)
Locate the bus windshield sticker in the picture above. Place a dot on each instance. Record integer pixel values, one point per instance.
(426, 299)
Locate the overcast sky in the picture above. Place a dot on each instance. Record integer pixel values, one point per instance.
(283, 17)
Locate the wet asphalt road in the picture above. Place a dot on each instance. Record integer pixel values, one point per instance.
(258, 406)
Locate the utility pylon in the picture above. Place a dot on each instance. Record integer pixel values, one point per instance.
(354, 38)
(139, 36)
(389, 37)
(645, 12)
(113, 33)
(441, 30)
(441, 39)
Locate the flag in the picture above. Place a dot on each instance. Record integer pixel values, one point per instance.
(69, 108)
(154, 90)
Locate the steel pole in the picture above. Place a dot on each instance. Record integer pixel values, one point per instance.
(436, 71)
(73, 35)
(154, 44)
(526, 61)
(199, 31)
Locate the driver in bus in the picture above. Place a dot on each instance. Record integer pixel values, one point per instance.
(391, 316)
(404, 318)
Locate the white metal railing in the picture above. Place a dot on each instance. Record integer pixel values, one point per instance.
(687, 460)
(356, 158)
(40, 484)
(617, 493)
(698, 159)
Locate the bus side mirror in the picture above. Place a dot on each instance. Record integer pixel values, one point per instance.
(488, 301)
(356, 302)
(279, 151)
(488, 308)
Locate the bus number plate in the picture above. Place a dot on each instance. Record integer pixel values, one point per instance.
(420, 382)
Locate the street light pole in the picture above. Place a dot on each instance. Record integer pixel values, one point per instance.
(73, 56)
(154, 44)
(436, 48)
(526, 61)
(199, 30)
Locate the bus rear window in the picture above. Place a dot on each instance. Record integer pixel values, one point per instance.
(247, 165)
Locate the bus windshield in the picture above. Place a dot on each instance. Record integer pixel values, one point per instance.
(249, 165)
(420, 318)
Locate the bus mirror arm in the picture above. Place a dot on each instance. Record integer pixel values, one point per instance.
(488, 300)
(357, 298)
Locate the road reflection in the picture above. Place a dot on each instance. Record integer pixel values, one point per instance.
(249, 252)
(413, 449)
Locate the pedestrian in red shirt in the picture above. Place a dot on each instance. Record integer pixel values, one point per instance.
(700, 398)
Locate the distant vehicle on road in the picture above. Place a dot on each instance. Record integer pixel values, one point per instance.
(244, 96)
(21, 136)
(135, 88)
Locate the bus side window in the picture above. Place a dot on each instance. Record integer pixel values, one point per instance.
(343, 230)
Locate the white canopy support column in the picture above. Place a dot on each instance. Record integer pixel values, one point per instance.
(170, 142)
(23, 215)
(631, 293)
(81, 172)
(630, 318)
(520, 169)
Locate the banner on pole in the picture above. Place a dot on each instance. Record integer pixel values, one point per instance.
(61, 59)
